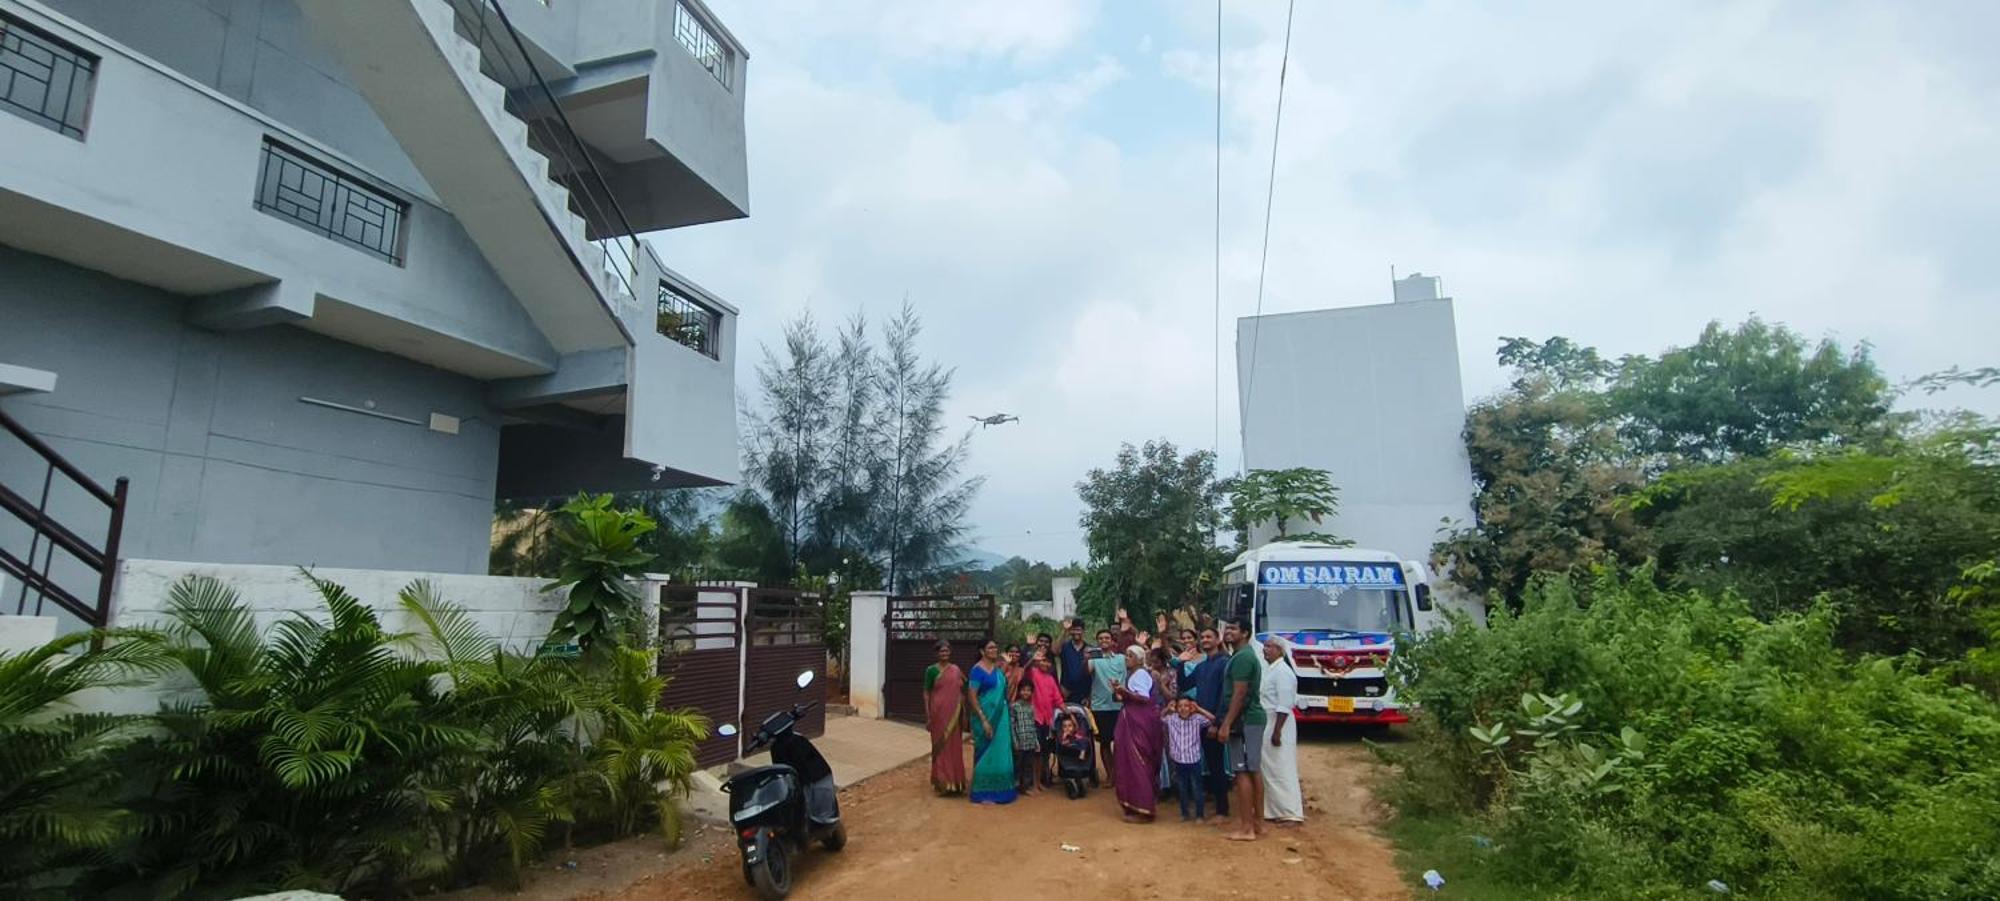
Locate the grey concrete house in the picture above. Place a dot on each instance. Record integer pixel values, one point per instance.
(321, 279)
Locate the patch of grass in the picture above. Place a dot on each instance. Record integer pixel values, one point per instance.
(1451, 846)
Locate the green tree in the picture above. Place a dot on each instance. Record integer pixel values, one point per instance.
(1150, 525)
(1556, 455)
(1562, 364)
(1280, 496)
(790, 433)
(1548, 469)
(1749, 391)
(750, 545)
(683, 544)
(1880, 539)
(848, 457)
(855, 461)
(1979, 377)
(923, 499)
(599, 553)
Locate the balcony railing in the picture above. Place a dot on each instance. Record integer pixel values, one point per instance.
(700, 41)
(688, 321)
(303, 190)
(503, 50)
(43, 79)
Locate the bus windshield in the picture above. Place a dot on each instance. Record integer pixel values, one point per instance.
(1337, 608)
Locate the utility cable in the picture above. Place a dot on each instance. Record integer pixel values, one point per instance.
(1270, 193)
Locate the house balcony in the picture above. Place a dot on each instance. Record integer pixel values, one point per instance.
(171, 184)
(481, 269)
(659, 414)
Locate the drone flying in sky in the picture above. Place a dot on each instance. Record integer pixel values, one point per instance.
(995, 419)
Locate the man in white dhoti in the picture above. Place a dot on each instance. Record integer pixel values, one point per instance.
(1284, 800)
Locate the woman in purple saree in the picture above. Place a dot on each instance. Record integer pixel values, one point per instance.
(1139, 740)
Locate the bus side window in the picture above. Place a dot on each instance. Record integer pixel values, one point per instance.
(1237, 604)
(1424, 601)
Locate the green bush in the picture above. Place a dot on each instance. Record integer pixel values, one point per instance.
(329, 754)
(1618, 740)
(598, 554)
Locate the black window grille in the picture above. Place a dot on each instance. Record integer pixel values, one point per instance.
(700, 41)
(300, 189)
(43, 79)
(688, 321)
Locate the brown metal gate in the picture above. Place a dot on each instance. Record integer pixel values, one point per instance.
(701, 654)
(786, 636)
(915, 625)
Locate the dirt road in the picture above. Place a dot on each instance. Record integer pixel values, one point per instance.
(905, 843)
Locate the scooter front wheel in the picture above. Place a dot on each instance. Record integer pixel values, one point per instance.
(773, 875)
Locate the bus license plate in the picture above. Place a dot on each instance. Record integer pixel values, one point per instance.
(1340, 705)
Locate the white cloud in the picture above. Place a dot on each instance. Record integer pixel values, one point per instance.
(1617, 173)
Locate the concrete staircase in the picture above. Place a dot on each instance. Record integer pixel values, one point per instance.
(421, 72)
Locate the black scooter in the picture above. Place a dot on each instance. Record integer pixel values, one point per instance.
(778, 810)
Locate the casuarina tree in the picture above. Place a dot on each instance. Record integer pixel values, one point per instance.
(923, 502)
(790, 433)
(849, 465)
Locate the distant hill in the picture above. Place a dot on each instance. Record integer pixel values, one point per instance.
(980, 558)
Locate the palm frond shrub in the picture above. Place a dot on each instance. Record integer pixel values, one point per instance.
(57, 815)
(326, 753)
(297, 762)
(581, 743)
(645, 754)
(499, 798)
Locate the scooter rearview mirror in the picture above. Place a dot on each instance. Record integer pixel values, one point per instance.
(726, 730)
(805, 678)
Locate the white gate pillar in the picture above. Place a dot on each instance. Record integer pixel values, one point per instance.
(867, 651)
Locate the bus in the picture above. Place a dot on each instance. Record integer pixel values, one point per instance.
(1341, 608)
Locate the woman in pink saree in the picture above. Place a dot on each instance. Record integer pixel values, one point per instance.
(944, 697)
(1139, 740)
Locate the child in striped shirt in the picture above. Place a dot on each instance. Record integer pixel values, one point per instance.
(1185, 719)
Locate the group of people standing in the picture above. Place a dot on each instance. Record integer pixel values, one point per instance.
(1204, 715)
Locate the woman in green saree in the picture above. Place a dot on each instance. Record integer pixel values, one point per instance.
(993, 738)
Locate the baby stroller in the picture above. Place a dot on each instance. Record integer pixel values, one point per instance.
(1076, 766)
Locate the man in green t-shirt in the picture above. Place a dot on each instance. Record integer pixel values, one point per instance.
(1242, 684)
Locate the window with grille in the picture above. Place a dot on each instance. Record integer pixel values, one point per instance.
(688, 321)
(43, 79)
(700, 40)
(320, 198)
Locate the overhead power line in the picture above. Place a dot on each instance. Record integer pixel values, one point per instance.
(1270, 193)
(1216, 447)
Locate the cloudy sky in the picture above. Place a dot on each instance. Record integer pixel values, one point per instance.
(1037, 177)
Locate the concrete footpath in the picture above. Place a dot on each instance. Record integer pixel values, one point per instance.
(856, 747)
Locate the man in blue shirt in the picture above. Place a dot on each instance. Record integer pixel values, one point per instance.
(1207, 680)
(1073, 665)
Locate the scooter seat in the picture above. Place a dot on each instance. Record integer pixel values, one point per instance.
(756, 774)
